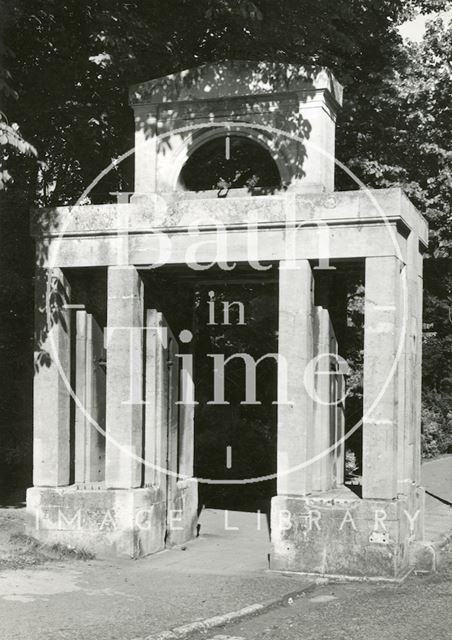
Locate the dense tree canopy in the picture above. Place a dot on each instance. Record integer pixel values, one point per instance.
(73, 61)
(65, 69)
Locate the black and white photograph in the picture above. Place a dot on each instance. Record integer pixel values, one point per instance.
(225, 319)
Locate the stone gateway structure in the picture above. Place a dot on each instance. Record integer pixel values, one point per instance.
(234, 165)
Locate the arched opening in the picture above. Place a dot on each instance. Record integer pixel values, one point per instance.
(230, 162)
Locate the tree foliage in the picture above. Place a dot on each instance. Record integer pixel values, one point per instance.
(73, 61)
(408, 141)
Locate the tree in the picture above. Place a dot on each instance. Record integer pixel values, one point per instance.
(74, 61)
(11, 141)
(408, 142)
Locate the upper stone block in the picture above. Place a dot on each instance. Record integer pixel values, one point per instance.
(235, 78)
(271, 121)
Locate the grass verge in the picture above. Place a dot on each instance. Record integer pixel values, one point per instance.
(19, 550)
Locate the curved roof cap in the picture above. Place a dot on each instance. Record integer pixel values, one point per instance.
(235, 78)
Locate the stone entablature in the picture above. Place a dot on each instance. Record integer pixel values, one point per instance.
(181, 210)
(355, 226)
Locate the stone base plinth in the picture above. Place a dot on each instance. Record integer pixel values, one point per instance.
(338, 534)
(183, 514)
(120, 522)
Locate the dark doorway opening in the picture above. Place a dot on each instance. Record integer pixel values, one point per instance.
(190, 300)
(237, 441)
(349, 307)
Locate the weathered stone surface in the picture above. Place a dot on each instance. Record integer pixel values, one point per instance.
(158, 228)
(324, 431)
(237, 96)
(295, 349)
(51, 402)
(124, 336)
(383, 340)
(90, 406)
(346, 241)
(183, 512)
(233, 77)
(156, 398)
(181, 209)
(129, 523)
(336, 534)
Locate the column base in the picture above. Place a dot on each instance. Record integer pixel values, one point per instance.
(338, 534)
(184, 513)
(109, 522)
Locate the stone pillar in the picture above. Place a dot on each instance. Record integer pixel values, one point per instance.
(172, 366)
(187, 425)
(410, 386)
(90, 390)
(146, 146)
(417, 400)
(316, 166)
(156, 410)
(338, 422)
(295, 347)
(340, 386)
(383, 311)
(323, 435)
(51, 408)
(124, 337)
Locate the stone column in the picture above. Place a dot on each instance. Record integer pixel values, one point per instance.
(146, 145)
(410, 386)
(51, 409)
(187, 423)
(381, 341)
(317, 168)
(295, 347)
(90, 390)
(323, 436)
(419, 285)
(338, 423)
(124, 416)
(156, 409)
(172, 366)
